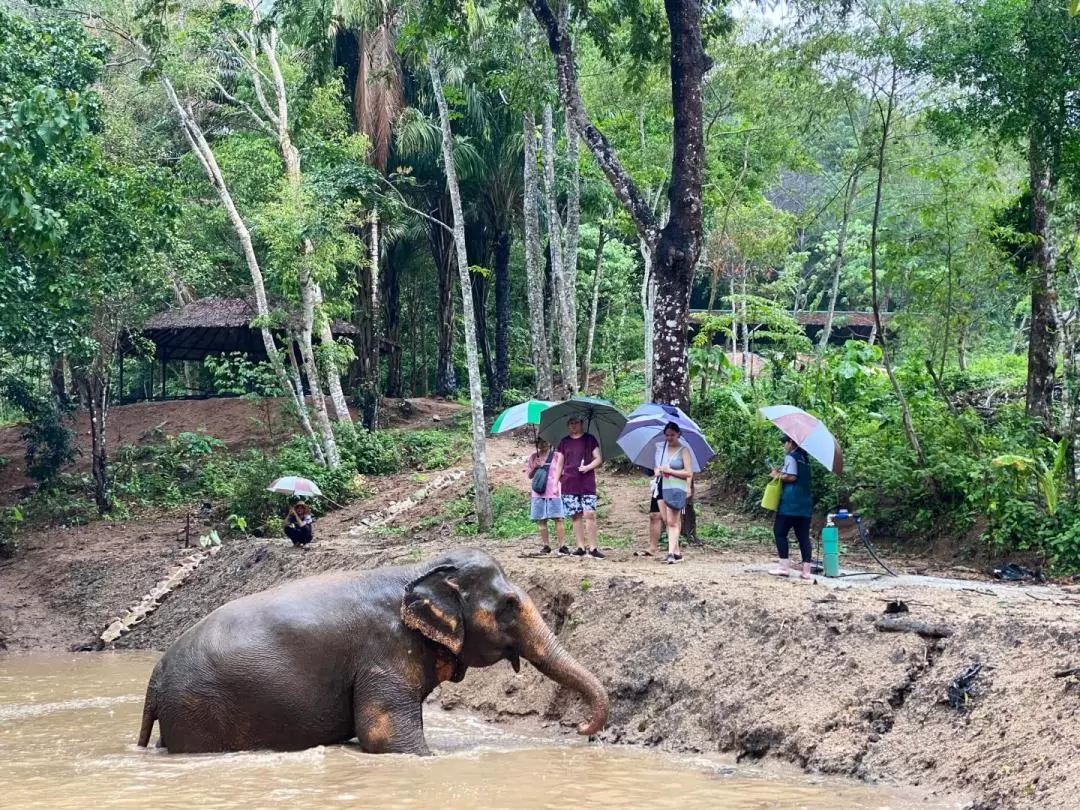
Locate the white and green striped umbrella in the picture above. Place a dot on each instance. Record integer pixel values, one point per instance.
(527, 413)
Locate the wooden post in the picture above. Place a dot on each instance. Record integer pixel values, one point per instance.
(163, 362)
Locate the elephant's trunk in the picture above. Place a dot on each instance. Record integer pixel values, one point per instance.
(543, 650)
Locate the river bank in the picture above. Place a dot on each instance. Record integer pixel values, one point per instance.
(710, 655)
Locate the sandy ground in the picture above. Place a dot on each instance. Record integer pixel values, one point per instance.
(711, 654)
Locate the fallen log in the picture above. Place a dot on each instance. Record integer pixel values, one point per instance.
(892, 624)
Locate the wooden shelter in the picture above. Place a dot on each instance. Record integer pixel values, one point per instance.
(212, 326)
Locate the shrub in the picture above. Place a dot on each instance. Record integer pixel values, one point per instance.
(367, 452)
(46, 431)
(432, 449)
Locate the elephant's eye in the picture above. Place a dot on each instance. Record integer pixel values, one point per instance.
(509, 604)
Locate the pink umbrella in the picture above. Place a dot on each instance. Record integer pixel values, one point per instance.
(808, 433)
(295, 485)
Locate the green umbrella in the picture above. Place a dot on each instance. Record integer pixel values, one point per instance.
(527, 413)
(601, 418)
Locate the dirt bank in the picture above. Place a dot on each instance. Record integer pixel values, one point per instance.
(708, 655)
(239, 422)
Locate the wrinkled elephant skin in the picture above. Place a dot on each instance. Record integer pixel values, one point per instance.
(352, 654)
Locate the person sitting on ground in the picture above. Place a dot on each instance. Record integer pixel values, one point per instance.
(674, 476)
(547, 505)
(581, 457)
(795, 510)
(300, 525)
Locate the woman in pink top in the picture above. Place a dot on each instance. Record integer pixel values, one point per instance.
(547, 505)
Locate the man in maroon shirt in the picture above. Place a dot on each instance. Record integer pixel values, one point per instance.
(581, 457)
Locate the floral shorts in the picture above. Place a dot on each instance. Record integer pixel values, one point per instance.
(576, 504)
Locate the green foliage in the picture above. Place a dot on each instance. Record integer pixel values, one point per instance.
(234, 373)
(431, 449)
(46, 430)
(10, 521)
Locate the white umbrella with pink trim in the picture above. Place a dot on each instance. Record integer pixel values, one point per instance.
(809, 433)
(295, 485)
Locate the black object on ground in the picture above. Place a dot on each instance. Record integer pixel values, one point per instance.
(962, 688)
(896, 606)
(1017, 573)
(890, 624)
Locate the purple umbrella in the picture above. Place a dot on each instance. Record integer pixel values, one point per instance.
(642, 435)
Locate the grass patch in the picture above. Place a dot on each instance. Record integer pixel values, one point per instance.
(716, 535)
(509, 511)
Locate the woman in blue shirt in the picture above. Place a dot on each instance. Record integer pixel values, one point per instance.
(795, 510)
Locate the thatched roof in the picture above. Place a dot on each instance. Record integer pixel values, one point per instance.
(206, 313)
(212, 326)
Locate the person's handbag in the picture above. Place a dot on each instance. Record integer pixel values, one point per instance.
(770, 499)
(540, 475)
(675, 498)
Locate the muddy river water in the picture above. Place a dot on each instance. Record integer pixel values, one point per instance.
(68, 725)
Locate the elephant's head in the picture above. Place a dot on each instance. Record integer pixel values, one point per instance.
(465, 603)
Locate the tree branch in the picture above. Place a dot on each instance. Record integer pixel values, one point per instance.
(245, 106)
(561, 47)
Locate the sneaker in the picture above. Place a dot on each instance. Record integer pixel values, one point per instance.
(564, 550)
(671, 559)
(596, 553)
(545, 550)
(580, 552)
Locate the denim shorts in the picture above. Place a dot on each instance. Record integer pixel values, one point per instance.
(547, 509)
(576, 504)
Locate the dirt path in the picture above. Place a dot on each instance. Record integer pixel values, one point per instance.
(710, 654)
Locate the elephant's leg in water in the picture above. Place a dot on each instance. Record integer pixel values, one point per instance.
(389, 725)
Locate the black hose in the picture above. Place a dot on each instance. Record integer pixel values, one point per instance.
(865, 542)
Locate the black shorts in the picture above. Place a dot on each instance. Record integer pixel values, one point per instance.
(654, 504)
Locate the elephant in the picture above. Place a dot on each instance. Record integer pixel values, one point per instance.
(321, 660)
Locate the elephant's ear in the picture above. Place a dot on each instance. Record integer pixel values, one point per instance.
(432, 606)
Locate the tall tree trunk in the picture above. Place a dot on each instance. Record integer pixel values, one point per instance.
(481, 492)
(369, 394)
(205, 155)
(291, 157)
(56, 381)
(734, 314)
(747, 365)
(479, 286)
(414, 328)
(597, 267)
(1043, 335)
(566, 320)
(648, 304)
(838, 262)
(311, 371)
(551, 311)
(502, 318)
(333, 371)
(96, 394)
(905, 411)
(395, 363)
(676, 245)
(534, 278)
(573, 228)
(445, 377)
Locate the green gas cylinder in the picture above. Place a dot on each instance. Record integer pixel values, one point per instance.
(830, 547)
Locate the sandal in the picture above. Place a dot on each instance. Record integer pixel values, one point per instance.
(644, 554)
